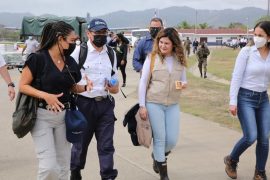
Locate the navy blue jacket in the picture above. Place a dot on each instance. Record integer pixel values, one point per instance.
(143, 48)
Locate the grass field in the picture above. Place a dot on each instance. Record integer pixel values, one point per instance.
(222, 62)
(208, 99)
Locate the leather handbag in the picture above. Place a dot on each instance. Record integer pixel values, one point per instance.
(144, 131)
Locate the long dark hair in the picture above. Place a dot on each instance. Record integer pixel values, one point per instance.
(265, 26)
(123, 38)
(178, 49)
(52, 31)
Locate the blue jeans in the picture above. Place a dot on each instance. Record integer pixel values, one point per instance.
(254, 115)
(165, 126)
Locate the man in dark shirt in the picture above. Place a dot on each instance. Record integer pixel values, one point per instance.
(195, 45)
(145, 45)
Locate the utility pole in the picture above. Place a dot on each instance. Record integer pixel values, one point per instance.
(195, 28)
(247, 26)
(268, 9)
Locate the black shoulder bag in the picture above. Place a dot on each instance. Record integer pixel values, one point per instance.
(25, 115)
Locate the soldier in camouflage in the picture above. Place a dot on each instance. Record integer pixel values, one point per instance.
(187, 44)
(202, 54)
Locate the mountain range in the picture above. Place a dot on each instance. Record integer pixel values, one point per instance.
(172, 16)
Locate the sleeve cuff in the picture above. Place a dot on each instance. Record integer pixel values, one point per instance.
(233, 102)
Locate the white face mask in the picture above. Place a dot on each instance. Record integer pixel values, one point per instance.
(259, 41)
(30, 37)
(78, 42)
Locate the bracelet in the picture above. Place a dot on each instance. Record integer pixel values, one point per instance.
(85, 87)
(11, 84)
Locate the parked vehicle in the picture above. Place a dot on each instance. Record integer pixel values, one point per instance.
(33, 25)
(13, 60)
(137, 34)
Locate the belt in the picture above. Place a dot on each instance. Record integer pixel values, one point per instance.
(97, 98)
(44, 105)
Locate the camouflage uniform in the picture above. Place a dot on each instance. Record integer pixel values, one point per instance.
(202, 54)
(187, 44)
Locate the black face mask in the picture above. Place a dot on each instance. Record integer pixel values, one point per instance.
(154, 31)
(70, 49)
(100, 40)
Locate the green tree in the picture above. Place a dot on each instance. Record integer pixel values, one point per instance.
(263, 18)
(237, 25)
(203, 25)
(184, 25)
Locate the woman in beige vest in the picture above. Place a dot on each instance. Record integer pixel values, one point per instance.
(163, 78)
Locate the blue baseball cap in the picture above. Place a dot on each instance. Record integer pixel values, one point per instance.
(97, 24)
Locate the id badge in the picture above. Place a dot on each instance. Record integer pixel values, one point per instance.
(178, 85)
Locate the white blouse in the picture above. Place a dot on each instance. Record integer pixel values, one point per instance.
(250, 72)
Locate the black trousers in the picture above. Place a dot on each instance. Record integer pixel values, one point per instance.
(101, 119)
(123, 71)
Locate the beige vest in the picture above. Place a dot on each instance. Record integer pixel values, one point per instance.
(161, 88)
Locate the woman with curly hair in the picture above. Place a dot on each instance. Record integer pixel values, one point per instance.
(163, 78)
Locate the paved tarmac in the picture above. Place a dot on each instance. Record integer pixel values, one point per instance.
(198, 155)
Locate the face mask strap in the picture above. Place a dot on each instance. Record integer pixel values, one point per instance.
(62, 55)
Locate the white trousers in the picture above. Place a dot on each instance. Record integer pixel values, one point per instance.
(52, 149)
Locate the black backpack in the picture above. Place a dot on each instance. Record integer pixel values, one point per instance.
(83, 55)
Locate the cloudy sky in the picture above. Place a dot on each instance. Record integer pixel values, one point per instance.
(100, 7)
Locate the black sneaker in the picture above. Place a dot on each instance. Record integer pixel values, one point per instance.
(124, 85)
(231, 167)
(259, 175)
(75, 175)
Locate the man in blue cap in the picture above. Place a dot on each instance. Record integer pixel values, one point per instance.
(96, 105)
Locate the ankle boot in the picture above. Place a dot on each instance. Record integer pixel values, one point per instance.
(259, 175)
(155, 168)
(162, 167)
(230, 167)
(204, 75)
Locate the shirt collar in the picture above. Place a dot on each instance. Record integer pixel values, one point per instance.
(253, 48)
(148, 37)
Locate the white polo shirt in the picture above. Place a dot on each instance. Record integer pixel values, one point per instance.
(97, 68)
(32, 46)
(2, 61)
